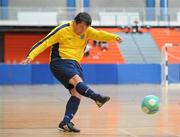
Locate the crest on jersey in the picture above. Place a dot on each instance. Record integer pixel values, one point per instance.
(82, 37)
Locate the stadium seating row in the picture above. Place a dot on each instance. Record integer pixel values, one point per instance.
(18, 44)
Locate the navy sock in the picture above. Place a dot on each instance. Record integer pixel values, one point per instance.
(86, 91)
(71, 108)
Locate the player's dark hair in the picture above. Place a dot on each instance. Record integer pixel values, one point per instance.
(83, 17)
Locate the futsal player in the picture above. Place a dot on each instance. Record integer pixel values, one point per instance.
(67, 42)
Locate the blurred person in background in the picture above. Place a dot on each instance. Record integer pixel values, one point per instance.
(104, 46)
(87, 50)
(136, 28)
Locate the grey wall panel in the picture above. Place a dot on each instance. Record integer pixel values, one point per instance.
(37, 3)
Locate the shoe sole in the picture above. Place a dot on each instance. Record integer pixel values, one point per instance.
(101, 104)
(62, 130)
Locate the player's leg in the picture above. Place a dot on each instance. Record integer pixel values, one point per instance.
(62, 70)
(66, 71)
(71, 109)
(84, 90)
(73, 103)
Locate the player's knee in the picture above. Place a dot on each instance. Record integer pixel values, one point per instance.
(75, 93)
(75, 80)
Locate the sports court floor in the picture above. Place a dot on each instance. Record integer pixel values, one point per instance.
(35, 111)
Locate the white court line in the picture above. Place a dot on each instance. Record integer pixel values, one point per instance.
(133, 135)
(174, 86)
(170, 133)
(174, 135)
(128, 133)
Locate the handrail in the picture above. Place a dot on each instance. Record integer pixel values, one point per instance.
(117, 16)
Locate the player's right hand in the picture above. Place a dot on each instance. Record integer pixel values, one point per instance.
(26, 61)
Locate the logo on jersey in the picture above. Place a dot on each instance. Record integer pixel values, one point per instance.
(82, 37)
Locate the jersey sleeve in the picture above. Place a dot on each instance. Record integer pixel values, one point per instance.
(100, 35)
(49, 40)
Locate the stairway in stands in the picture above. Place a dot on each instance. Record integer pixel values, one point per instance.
(139, 48)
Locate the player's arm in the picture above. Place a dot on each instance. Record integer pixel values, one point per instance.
(101, 35)
(43, 44)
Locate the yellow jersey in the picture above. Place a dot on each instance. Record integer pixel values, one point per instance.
(66, 44)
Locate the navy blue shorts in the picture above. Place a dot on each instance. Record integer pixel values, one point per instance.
(65, 69)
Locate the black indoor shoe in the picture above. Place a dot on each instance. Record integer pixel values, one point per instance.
(101, 100)
(68, 127)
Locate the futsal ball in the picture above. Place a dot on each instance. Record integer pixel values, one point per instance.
(150, 104)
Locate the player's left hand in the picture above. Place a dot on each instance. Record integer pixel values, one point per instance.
(118, 39)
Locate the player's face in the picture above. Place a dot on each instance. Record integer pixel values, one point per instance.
(80, 28)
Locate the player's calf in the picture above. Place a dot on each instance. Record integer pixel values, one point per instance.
(84, 90)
